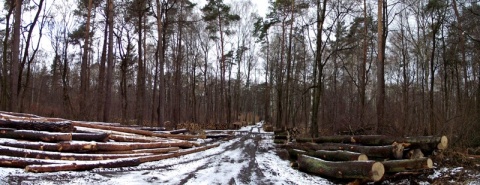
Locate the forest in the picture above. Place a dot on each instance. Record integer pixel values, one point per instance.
(394, 67)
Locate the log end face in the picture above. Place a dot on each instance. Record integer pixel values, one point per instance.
(429, 163)
(443, 143)
(362, 157)
(378, 170)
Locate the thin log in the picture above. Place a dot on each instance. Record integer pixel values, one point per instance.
(17, 114)
(28, 153)
(367, 170)
(394, 166)
(135, 131)
(117, 163)
(216, 136)
(37, 135)
(424, 142)
(64, 126)
(338, 155)
(21, 162)
(179, 131)
(83, 147)
(153, 151)
(111, 163)
(129, 138)
(176, 154)
(3, 130)
(99, 136)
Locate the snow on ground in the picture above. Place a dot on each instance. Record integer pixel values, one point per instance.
(249, 158)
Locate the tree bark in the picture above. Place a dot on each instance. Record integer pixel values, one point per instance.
(422, 142)
(84, 82)
(395, 166)
(100, 136)
(37, 135)
(82, 147)
(110, 62)
(383, 152)
(14, 70)
(338, 155)
(367, 170)
(28, 153)
(63, 126)
(83, 166)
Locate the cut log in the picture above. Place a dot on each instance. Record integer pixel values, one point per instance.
(338, 155)
(90, 146)
(37, 135)
(117, 163)
(79, 166)
(394, 166)
(282, 137)
(28, 153)
(3, 130)
(135, 131)
(216, 136)
(383, 152)
(152, 151)
(99, 136)
(17, 114)
(64, 126)
(428, 143)
(366, 170)
(179, 131)
(20, 162)
(176, 154)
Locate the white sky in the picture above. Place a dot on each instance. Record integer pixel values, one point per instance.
(260, 5)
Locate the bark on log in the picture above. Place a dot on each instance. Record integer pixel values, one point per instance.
(90, 146)
(135, 131)
(37, 135)
(128, 138)
(338, 155)
(367, 170)
(99, 136)
(394, 166)
(28, 153)
(78, 166)
(423, 142)
(179, 131)
(117, 163)
(64, 126)
(3, 130)
(20, 162)
(16, 114)
(153, 151)
(216, 136)
(384, 152)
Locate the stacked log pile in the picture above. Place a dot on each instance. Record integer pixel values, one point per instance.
(40, 144)
(362, 157)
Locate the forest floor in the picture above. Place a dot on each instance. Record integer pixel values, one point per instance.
(248, 158)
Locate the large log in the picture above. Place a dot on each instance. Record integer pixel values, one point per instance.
(28, 153)
(17, 114)
(394, 166)
(99, 136)
(176, 154)
(366, 170)
(424, 142)
(37, 135)
(116, 163)
(394, 151)
(135, 131)
(64, 126)
(83, 147)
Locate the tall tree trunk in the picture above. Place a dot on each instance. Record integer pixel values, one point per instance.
(139, 106)
(160, 59)
(380, 70)
(363, 65)
(108, 87)
(84, 82)
(14, 86)
(318, 69)
(5, 82)
(101, 74)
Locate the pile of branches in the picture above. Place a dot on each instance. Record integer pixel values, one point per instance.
(40, 144)
(362, 158)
